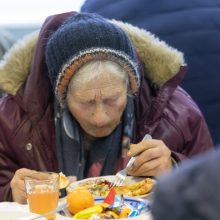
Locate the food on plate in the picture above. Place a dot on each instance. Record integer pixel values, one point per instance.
(64, 182)
(79, 199)
(136, 189)
(101, 187)
(113, 207)
(125, 211)
(89, 212)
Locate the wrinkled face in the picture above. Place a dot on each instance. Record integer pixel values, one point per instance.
(98, 104)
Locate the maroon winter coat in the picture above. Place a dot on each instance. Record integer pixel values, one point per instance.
(27, 131)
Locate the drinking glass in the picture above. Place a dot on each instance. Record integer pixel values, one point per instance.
(43, 194)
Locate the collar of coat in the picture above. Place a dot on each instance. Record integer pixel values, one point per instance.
(161, 61)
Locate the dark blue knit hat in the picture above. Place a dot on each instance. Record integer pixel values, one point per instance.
(81, 39)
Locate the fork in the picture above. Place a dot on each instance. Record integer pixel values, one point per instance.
(121, 175)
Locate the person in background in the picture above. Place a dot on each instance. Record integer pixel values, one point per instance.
(191, 27)
(191, 191)
(93, 87)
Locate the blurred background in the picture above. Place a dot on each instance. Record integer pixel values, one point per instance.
(192, 27)
(18, 18)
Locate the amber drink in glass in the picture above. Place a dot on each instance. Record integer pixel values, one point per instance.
(43, 195)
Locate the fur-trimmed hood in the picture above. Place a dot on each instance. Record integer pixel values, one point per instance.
(161, 61)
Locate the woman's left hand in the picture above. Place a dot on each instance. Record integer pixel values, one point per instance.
(153, 158)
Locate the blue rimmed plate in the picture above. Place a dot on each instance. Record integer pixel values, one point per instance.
(134, 202)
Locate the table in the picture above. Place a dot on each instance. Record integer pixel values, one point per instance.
(15, 211)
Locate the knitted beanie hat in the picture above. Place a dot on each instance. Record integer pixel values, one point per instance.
(83, 38)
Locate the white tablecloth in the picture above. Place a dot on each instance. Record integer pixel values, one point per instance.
(15, 211)
(13, 207)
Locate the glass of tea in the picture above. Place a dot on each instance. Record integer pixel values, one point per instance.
(43, 193)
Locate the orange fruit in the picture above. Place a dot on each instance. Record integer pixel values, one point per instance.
(78, 200)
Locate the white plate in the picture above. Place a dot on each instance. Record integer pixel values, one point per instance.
(128, 180)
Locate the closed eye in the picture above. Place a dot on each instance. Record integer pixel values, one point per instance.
(87, 103)
(111, 101)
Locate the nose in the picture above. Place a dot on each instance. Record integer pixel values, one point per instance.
(100, 116)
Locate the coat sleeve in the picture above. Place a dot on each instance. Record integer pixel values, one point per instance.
(192, 133)
(8, 167)
(12, 115)
(199, 141)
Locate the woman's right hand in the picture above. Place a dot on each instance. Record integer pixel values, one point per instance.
(17, 183)
(18, 186)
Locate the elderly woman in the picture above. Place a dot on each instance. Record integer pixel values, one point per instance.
(112, 84)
